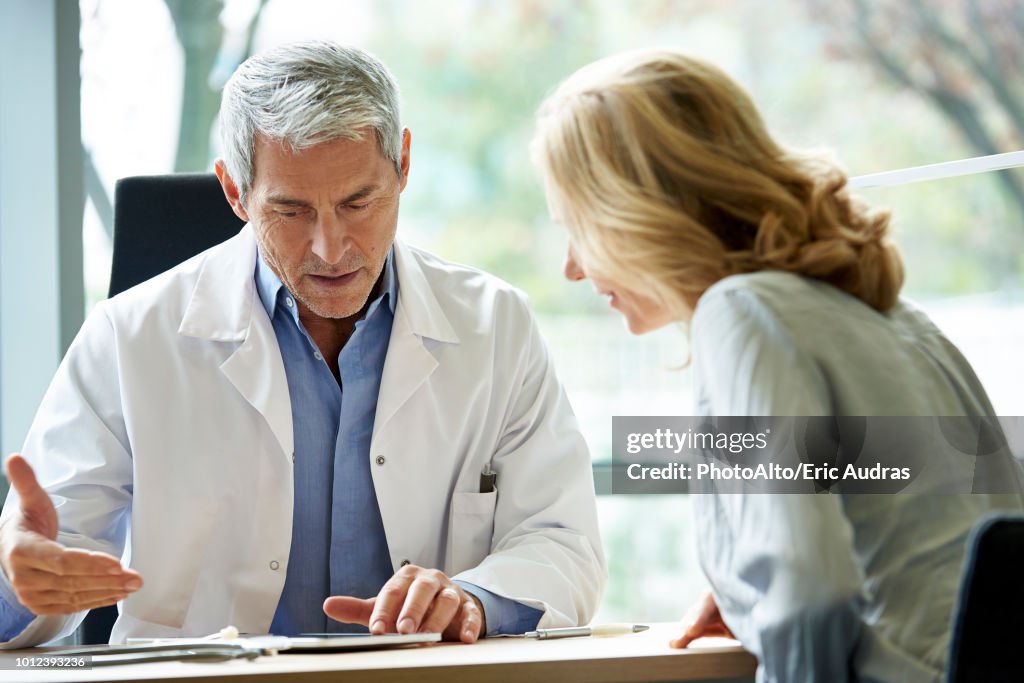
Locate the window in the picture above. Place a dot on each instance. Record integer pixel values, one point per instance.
(472, 73)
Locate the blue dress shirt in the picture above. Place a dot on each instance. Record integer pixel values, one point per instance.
(338, 541)
(13, 615)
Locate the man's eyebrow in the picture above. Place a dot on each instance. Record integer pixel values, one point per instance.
(361, 194)
(286, 201)
(282, 200)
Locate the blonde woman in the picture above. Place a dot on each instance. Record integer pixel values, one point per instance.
(681, 207)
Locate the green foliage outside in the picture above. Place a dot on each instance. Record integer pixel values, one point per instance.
(884, 84)
(832, 74)
(470, 95)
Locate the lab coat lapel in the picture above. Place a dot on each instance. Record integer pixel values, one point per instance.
(257, 371)
(226, 308)
(418, 318)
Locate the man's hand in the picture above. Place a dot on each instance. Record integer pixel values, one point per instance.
(414, 600)
(703, 619)
(47, 577)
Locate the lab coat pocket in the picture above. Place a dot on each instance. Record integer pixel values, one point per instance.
(170, 565)
(470, 529)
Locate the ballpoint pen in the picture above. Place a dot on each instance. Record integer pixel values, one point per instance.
(577, 631)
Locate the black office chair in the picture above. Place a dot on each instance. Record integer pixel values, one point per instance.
(162, 220)
(986, 633)
(159, 221)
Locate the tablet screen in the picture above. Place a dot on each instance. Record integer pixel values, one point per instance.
(337, 642)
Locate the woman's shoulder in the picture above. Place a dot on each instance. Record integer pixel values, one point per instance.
(800, 306)
(772, 300)
(775, 289)
(784, 315)
(767, 281)
(895, 362)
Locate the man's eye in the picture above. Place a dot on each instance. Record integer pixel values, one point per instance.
(358, 207)
(287, 214)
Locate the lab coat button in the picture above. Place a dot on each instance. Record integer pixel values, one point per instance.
(274, 565)
(380, 459)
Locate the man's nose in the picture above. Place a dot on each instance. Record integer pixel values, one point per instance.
(571, 269)
(331, 239)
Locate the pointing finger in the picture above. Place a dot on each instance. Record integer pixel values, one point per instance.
(349, 610)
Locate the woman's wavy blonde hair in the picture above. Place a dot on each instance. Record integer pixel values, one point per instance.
(664, 174)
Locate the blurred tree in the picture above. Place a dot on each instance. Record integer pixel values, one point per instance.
(201, 34)
(472, 92)
(475, 93)
(965, 57)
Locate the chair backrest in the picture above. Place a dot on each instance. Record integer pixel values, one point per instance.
(986, 627)
(159, 221)
(162, 220)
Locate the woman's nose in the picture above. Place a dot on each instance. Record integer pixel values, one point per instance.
(571, 269)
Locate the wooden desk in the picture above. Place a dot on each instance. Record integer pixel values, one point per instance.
(637, 657)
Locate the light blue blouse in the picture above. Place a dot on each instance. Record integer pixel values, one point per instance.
(832, 587)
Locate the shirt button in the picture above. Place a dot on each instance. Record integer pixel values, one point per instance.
(406, 563)
(288, 302)
(274, 565)
(318, 355)
(380, 459)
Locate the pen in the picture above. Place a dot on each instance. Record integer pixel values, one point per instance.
(577, 631)
(487, 479)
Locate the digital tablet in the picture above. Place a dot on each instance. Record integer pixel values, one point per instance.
(338, 642)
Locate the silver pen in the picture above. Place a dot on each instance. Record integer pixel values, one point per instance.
(578, 631)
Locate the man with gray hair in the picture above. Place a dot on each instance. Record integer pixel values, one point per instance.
(312, 426)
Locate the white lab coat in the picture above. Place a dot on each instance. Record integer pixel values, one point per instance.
(169, 422)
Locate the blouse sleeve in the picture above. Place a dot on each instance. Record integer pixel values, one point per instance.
(782, 566)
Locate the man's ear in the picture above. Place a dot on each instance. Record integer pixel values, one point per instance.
(231, 191)
(406, 139)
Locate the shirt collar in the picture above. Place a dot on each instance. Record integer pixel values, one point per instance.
(272, 291)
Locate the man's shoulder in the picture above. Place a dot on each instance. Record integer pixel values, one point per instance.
(170, 290)
(166, 296)
(457, 282)
(438, 267)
